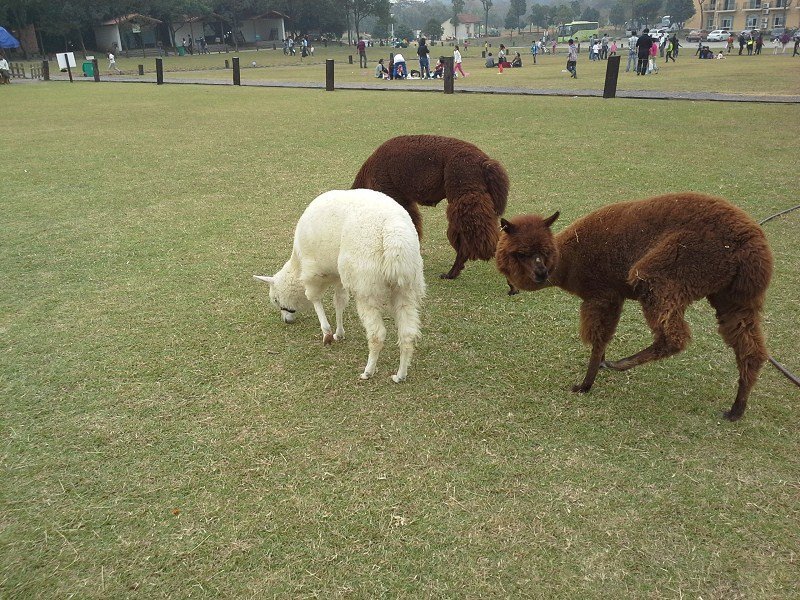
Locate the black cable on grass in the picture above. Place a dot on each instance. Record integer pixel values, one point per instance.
(783, 212)
(786, 372)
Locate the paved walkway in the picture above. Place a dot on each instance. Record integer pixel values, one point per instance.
(459, 89)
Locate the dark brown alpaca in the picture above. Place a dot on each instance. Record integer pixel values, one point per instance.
(666, 252)
(425, 169)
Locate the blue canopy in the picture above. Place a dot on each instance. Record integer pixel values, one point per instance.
(7, 40)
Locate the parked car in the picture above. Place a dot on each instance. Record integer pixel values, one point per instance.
(697, 35)
(718, 35)
(777, 32)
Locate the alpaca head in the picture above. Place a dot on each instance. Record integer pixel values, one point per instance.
(286, 293)
(526, 252)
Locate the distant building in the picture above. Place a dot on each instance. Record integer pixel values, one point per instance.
(468, 27)
(746, 14)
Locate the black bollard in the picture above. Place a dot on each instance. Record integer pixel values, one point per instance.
(159, 71)
(227, 64)
(350, 59)
(448, 74)
(612, 74)
(141, 69)
(237, 76)
(96, 69)
(273, 47)
(391, 65)
(483, 53)
(46, 70)
(329, 75)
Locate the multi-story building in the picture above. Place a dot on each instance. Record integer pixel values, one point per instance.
(736, 15)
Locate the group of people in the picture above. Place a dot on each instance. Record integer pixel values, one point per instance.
(643, 51)
(399, 68)
(290, 45)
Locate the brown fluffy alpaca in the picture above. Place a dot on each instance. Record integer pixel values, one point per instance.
(666, 252)
(426, 169)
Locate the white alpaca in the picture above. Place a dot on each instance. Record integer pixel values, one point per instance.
(363, 243)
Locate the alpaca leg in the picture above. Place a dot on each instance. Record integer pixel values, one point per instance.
(370, 313)
(413, 211)
(314, 294)
(340, 299)
(599, 320)
(740, 327)
(406, 317)
(671, 333)
(457, 267)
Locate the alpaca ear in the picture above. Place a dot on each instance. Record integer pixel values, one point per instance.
(551, 219)
(269, 280)
(506, 226)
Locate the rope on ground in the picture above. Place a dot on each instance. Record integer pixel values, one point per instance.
(786, 372)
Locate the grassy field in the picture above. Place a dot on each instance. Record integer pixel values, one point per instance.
(165, 436)
(765, 74)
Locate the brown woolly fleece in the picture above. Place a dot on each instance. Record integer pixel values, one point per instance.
(666, 252)
(425, 169)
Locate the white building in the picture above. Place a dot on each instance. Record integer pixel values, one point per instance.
(468, 28)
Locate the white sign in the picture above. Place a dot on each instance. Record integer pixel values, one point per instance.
(64, 57)
(136, 29)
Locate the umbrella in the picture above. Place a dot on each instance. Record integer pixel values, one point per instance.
(7, 40)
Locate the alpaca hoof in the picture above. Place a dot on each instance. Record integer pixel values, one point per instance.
(581, 388)
(513, 292)
(327, 339)
(732, 416)
(337, 337)
(365, 375)
(447, 276)
(397, 379)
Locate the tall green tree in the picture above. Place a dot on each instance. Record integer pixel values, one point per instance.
(646, 11)
(487, 4)
(434, 29)
(618, 15)
(519, 7)
(680, 10)
(540, 16)
(458, 8)
(590, 14)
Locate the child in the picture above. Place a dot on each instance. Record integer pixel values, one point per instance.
(438, 70)
(613, 48)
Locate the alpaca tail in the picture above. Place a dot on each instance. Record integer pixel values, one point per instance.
(401, 262)
(496, 179)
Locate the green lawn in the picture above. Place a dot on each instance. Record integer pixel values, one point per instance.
(165, 436)
(765, 74)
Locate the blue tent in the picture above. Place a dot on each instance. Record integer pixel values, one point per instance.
(7, 40)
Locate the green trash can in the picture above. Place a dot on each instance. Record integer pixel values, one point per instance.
(181, 51)
(88, 69)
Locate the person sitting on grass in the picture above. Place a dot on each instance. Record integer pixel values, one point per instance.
(517, 62)
(490, 61)
(438, 70)
(381, 72)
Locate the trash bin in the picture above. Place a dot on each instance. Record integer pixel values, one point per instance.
(88, 69)
(181, 51)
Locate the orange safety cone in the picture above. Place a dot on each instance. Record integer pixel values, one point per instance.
(500, 65)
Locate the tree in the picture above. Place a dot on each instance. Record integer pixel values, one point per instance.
(562, 14)
(519, 7)
(434, 29)
(646, 11)
(458, 8)
(540, 16)
(359, 9)
(618, 14)
(679, 10)
(487, 4)
(591, 14)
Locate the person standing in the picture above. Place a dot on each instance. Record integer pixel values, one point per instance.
(675, 45)
(742, 43)
(631, 51)
(669, 52)
(5, 72)
(572, 59)
(604, 47)
(652, 67)
(730, 43)
(424, 59)
(457, 68)
(112, 63)
(750, 43)
(534, 50)
(362, 53)
(759, 43)
(784, 42)
(643, 45)
(796, 45)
